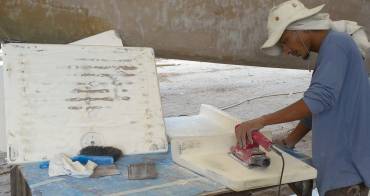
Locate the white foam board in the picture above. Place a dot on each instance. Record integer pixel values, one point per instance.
(107, 38)
(201, 143)
(208, 156)
(59, 98)
(209, 121)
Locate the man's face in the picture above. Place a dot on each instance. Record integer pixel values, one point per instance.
(292, 42)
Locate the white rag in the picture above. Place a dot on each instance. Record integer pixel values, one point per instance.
(62, 165)
(322, 21)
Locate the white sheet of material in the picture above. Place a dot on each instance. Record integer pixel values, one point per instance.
(60, 98)
(209, 121)
(202, 142)
(207, 155)
(107, 38)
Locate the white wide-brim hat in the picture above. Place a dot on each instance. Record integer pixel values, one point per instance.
(280, 17)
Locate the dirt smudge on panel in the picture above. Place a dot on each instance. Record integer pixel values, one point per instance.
(74, 107)
(87, 75)
(148, 114)
(100, 67)
(93, 83)
(91, 91)
(89, 108)
(154, 147)
(104, 60)
(125, 98)
(127, 74)
(125, 67)
(89, 99)
(95, 67)
(81, 83)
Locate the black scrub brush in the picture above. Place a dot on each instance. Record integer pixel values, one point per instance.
(102, 151)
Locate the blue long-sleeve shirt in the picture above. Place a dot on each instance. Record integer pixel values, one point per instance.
(339, 100)
(307, 122)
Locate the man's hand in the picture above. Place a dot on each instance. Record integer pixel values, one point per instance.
(243, 132)
(296, 111)
(284, 142)
(293, 137)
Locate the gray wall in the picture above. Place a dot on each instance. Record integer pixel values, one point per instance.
(227, 31)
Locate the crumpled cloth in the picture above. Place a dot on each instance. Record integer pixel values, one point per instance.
(61, 165)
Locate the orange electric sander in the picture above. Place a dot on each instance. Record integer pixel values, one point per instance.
(251, 155)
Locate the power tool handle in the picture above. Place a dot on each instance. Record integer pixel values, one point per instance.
(260, 139)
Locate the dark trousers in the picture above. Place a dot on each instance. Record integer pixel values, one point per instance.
(354, 190)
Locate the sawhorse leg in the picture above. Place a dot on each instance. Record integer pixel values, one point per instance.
(303, 188)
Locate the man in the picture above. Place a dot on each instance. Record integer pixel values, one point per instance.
(337, 99)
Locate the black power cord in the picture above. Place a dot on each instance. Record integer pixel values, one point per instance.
(282, 169)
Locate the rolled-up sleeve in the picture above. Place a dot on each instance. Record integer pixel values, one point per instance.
(327, 80)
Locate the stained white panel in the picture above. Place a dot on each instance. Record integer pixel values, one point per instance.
(208, 156)
(59, 98)
(107, 38)
(202, 142)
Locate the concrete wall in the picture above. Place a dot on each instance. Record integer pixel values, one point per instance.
(227, 31)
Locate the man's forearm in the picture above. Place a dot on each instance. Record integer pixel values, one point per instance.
(296, 135)
(296, 111)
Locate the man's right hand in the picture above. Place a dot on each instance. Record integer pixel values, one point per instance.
(243, 132)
